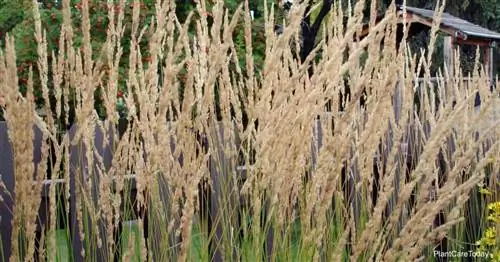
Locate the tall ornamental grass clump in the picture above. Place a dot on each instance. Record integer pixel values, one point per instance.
(229, 164)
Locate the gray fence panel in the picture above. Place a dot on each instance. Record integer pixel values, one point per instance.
(7, 177)
(219, 177)
(226, 175)
(6, 171)
(79, 167)
(222, 169)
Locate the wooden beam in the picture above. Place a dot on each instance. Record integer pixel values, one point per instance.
(449, 53)
(488, 62)
(449, 57)
(492, 66)
(428, 22)
(366, 29)
(406, 19)
(476, 42)
(415, 18)
(460, 37)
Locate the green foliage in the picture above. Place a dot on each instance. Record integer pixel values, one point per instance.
(21, 26)
(16, 19)
(11, 14)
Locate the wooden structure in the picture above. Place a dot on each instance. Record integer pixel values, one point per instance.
(458, 31)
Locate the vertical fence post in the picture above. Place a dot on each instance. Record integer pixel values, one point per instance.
(7, 178)
(221, 175)
(488, 62)
(79, 173)
(449, 63)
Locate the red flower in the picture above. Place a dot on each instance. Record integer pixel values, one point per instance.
(119, 94)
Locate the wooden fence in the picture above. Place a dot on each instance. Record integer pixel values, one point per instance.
(78, 166)
(218, 175)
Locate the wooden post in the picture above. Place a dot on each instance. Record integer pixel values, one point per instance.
(449, 57)
(488, 61)
(448, 54)
(492, 65)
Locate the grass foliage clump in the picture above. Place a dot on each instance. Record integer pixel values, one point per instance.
(230, 164)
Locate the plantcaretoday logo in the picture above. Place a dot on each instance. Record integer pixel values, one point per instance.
(456, 253)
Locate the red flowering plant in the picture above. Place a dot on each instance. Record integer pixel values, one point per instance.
(121, 106)
(23, 31)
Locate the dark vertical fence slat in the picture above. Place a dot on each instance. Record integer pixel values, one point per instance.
(103, 149)
(43, 210)
(79, 166)
(7, 178)
(219, 177)
(352, 174)
(316, 142)
(222, 172)
(6, 173)
(225, 180)
(214, 213)
(76, 240)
